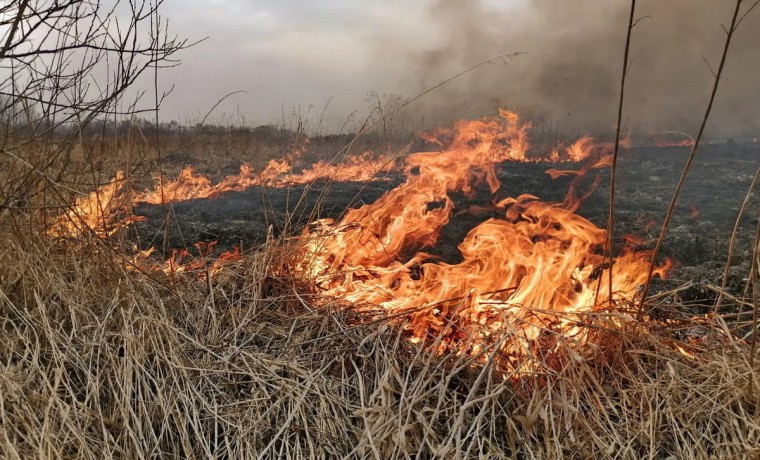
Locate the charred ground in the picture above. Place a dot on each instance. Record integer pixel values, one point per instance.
(697, 238)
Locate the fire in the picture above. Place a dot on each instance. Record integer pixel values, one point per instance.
(108, 208)
(527, 282)
(581, 149)
(536, 269)
(201, 261)
(278, 173)
(536, 272)
(102, 212)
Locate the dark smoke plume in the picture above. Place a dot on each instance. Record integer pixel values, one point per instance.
(571, 69)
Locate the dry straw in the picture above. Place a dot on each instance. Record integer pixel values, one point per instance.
(97, 361)
(100, 360)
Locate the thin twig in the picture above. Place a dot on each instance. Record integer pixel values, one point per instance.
(732, 242)
(611, 214)
(755, 309)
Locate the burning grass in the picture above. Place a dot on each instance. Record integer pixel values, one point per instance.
(98, 361)
(525, 275)
(349, 341)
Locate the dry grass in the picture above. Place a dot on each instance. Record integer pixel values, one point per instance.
(99, 362)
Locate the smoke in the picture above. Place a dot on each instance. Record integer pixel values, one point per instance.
(572, 66)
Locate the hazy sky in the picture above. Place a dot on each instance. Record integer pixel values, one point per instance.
(293, 53)
(290, 54)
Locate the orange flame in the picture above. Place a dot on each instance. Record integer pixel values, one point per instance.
(278, 173)
(585, 148)
(533, 270)
(581, 149)
(105, 210)
(102, 212)
(183, 261)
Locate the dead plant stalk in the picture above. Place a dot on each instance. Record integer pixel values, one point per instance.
(735, 20)
(611, 214)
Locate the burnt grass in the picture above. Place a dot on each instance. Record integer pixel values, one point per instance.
(697, 239)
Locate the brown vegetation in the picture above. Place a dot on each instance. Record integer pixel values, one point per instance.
(102, 357)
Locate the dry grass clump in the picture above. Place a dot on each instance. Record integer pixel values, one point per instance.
(97, 362)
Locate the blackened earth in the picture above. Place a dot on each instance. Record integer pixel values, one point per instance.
(698, 235)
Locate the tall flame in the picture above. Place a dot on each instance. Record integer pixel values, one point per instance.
(534, 269)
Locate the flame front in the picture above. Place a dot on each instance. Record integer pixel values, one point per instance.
(537, 268)
(278, 173)
(527, 282)
(107, 209)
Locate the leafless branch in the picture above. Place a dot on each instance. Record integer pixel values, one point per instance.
(65, 63)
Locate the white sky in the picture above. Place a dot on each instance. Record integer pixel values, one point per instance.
(292, 53)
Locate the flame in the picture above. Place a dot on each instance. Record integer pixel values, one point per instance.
(585, 148)
(278, 173)
(533, 274)
(102, 212)
(581, 149)
(536, 269)
(184, 261)
(106, 210)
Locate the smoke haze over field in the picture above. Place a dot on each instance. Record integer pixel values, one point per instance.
(575, 58)
(296, 53)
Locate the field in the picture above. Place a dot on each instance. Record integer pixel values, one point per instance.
(494, 288)
(102, 359)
